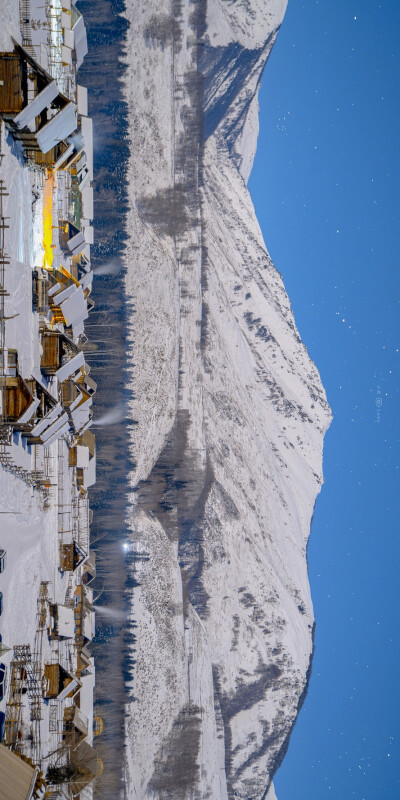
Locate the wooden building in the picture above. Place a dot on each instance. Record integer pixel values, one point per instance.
(59, 683)
(57, 348)
(50, 359)
(71, 557)
(34, 110)
(67, 232)
(75, 725)
(17, 399)
(12, 81)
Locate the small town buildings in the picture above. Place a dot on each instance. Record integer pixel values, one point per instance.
(46, 396)
(35, 111)
(17, 400)
(57, 350)
(84, 615)
(83, 457)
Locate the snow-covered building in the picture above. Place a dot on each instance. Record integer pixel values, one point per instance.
(69, 305)
(89, 568)
(19, 779)
(25, 404)
(59, 683)
(47, 453)
(33, 108)
(79, 32)
(83, 457)
(62, 621)
(71, 556)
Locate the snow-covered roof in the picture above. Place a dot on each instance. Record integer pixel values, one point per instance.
(81, 47)
(74, 683)
(65, 19)
(66, 54)
(82, 100)
(74, 309)
(64, 294)
(82, 457)
(74, 244)
(69, 35)
(81, 721)
(89, 232)
(66, 622)
(28, 414)
(58, 128)
(81, 415)
(57, 434)
(47, 420)
(87, 204)
(88, 625)
(17, 778)
(90, 563)
(84, 178)
(71, 367)
(87, 133)
(78, 329)
(63, 157)
(54, 289)
(87, 280)
(78, 399)
(89, 477)
(37, 105)
(54, 430)
(81, 162)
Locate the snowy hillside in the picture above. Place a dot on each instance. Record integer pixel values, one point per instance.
(231, 416)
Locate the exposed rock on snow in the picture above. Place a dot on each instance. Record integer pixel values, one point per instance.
(231, 417)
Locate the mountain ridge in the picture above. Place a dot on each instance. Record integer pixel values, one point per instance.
(231, 416)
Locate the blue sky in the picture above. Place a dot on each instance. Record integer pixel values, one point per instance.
(326, 191)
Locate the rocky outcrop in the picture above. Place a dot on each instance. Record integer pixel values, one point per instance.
(230, 416)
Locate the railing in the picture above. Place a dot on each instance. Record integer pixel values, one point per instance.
(25, 26)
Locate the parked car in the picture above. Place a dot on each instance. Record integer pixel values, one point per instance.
(2, 725)
(3, 678)
(3, 555)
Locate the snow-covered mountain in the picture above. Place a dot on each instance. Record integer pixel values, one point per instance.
(230, 413)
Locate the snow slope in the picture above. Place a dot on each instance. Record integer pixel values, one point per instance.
(231, 417)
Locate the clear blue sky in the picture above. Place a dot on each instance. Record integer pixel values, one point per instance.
(326, 186)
